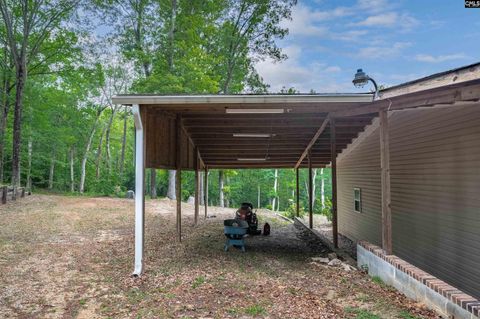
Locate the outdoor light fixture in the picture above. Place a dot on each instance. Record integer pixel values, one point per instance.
(252, 135)
(254, 111)
(251, 159)
(361, 79)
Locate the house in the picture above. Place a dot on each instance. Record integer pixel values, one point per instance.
(434, 181)
(405, 169)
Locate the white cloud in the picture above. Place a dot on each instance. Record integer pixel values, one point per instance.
(385, 19)
(373, 5)
(384, 52)
(390, 19)
(333, 69)
(407, 22)
(350, 36)
(307, 22)
(439, 58)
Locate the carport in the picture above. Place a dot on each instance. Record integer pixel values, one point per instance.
(262, 131)
(237, 132)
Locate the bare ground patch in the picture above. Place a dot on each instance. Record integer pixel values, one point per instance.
(71, 257)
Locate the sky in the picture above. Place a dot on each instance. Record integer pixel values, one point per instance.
(392, 41)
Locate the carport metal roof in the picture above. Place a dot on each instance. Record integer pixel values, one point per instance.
(267, 131)
(246, 131)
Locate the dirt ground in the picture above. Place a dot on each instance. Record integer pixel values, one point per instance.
(71, 257)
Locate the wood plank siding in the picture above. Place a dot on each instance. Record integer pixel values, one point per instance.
(435, 191)
(160, 139)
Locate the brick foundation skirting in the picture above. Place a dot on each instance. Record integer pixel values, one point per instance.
(456, 296)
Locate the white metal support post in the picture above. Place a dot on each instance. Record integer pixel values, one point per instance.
(139, 190)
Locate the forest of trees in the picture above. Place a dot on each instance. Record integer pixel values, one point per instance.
(63, 60)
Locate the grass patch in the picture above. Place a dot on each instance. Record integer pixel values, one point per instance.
(292, 291)
(363, 298)
(361, 314)
(200, 280)
(405, 315)
(255, 310)
(136, 295)
(378, 281)
(233, 311)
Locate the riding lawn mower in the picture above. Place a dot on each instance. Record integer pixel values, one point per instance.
(246, 213)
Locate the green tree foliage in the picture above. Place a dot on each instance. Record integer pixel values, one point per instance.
(75, 139)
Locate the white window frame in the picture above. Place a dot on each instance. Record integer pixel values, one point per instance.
(359, 200)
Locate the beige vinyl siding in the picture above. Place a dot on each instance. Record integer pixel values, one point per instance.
(435, 185)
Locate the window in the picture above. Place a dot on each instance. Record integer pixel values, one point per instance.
(357, 199)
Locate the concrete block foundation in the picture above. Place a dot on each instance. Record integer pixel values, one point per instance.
(417, 284)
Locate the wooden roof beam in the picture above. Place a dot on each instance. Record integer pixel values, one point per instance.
(267, 125)
(295, 141)
(312, 142)
(277, 131)
(259, 166)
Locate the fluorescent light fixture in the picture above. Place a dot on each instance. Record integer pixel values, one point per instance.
(254, 111)
(251, 159)
(252, 135)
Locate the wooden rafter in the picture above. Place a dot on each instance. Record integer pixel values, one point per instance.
(312, 142)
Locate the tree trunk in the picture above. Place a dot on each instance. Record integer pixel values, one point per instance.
(171, 33)
(85, 155)
(153, 183)
(99, 154)
(227, 196)
(6, 89)
(3, 126)
(275, 187)
(29, 171)
(313, 186)
(72, 177)
(107, 137)
(258, 199)
(21, 77)
(52, 170)
(171, 184)
(124, 141)
(221, 196)
(322, 188)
